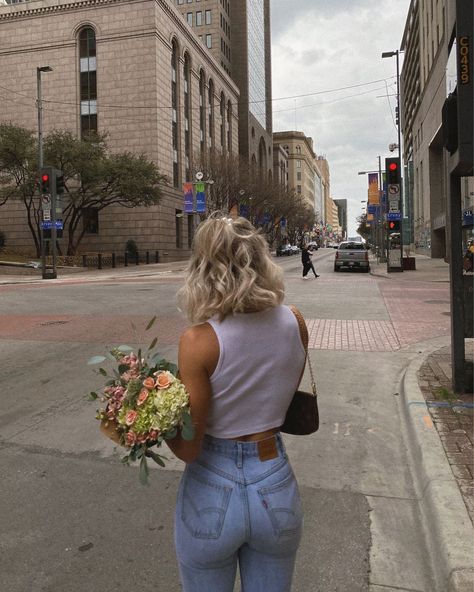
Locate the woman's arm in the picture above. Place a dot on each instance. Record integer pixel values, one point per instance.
(197, 358)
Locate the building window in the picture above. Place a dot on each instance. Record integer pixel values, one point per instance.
(229, 126)
(208, 17)
(209, 40)
(187, 116)
(210, 115)
(298, 164)
(298, 189)
(88, 81)
(202, 111)
(298, 176)
(189, 18)
(222, 113)
(174, 110)
(198, 18)
(90, 220)
(298, 149)
(178, 216)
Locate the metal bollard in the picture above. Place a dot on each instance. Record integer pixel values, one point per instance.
(113, 259)
(84, 261)
(137, 259)
(125, 259)
(157, 257)
(99, 261)
(147, 257)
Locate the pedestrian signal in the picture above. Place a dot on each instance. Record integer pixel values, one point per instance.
(394, 226)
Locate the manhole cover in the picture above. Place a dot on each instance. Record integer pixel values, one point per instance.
(437, 301)
(53, 323)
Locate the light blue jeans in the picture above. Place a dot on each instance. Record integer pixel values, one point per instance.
(234, 508)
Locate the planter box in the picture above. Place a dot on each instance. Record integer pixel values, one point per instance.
(408, 263)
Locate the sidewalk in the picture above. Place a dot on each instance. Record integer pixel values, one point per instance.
(440, 427)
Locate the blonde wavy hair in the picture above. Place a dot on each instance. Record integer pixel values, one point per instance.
(230, 271)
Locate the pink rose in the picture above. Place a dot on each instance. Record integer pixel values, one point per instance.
(163, 379)
(130, 438)
(153, 435)
(149, 383)
(143, 396)
(130, 417)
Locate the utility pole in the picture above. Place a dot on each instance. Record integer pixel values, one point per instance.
(39, 104)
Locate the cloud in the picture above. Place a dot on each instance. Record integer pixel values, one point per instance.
(320, 46)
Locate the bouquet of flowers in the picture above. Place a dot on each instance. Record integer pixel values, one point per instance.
(145, 403)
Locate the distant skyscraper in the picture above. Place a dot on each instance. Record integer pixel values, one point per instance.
(237, 34)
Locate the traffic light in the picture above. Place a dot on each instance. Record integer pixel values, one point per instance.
(397, 118)
(394, 226)
(45, 181)
(59, 182)
(392, 171)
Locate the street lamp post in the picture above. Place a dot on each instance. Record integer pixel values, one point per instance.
(378, 234)
(39, 104)
(389, 54)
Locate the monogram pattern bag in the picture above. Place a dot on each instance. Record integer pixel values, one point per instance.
(302, 416)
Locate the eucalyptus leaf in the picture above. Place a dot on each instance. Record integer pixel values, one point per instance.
(153, 343)
(156, 358)
(187, 419)
(123, 368)
(92, 396)
(96, 360)
(133, 454)
(125, 348)
(143, 474)
(103, 371)
(173, 369)
(187, 432)
(125, 459)
(156, 457)
(151, 323)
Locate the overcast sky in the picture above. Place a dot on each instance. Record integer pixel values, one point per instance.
(322, 45)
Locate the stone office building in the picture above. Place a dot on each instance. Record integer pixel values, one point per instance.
(133, 69)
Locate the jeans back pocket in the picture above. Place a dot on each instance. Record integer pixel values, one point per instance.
(204, 505)
(283, 506)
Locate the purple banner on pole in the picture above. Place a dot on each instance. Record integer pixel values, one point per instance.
(200, 198)
(188, 198)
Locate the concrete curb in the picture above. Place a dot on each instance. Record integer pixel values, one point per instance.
(448, 528)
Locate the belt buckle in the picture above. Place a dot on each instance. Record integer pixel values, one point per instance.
(267, 449)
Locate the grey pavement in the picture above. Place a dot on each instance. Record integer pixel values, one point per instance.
(382, 509)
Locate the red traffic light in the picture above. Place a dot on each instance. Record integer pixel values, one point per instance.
(392, 166)
(45, 178)
(391, 225)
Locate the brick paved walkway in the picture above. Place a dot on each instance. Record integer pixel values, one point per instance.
(453, 418)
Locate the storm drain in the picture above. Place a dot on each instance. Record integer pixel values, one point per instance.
(48, 323)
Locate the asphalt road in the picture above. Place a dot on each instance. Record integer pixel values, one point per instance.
(73, 518)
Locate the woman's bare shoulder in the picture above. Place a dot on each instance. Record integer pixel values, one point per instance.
(200, 344)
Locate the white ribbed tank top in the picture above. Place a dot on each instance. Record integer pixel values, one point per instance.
(260, 361)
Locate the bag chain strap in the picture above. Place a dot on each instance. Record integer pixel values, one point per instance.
(300, 320)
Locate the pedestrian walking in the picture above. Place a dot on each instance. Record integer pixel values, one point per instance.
(307, 263)
(238, 503)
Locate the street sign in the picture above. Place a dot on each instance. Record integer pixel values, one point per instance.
(393, 191)
(48, 224)
(393, 216)
(394, 205)
(46, 202)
